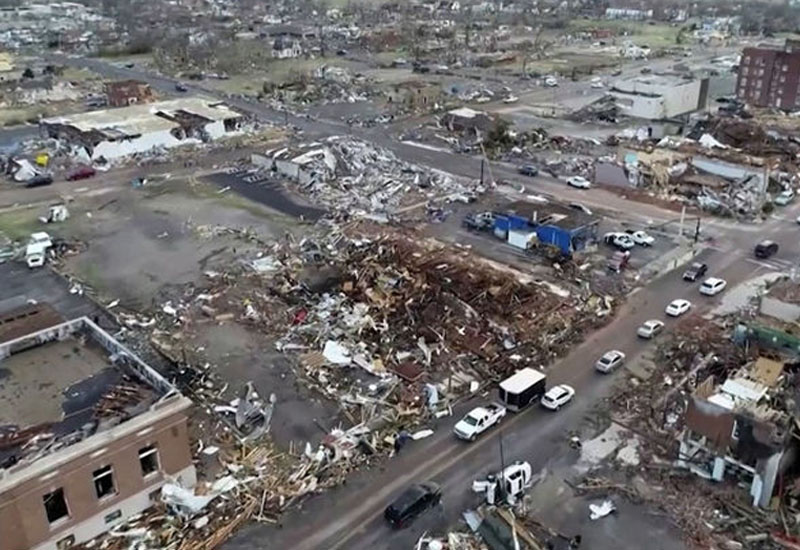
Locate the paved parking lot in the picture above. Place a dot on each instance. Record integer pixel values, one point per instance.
(262, 187)
(21, 284)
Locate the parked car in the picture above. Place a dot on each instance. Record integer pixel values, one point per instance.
(411, 503)
(712, 286)
(765, 249)
(646, 70)
(610, 361)
(478, 420)
(81, 173)
(619, 240)
(39, 181)
(650, 329)
(528, 170)
(181, 87)
(695, 271)
(557, 396)
(482, 221)
(641, 238)
(550, 82)
(579, 182)
(678, 307)
(598, 84)
(511, 99)
(784, 197)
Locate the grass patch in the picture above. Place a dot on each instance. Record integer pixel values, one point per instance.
(278, 71)
(75, 74)
(18, 225)
(641, 33)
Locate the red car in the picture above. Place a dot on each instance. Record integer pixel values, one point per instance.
(81, 173)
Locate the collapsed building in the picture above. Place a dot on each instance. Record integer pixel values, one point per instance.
(116, 133)
(89, 432)
(732, 431)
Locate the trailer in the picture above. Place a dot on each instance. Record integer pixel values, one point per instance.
(523, 388)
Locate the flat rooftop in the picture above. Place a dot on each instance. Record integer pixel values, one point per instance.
(146, 117)
(65, 383)
(553, 213)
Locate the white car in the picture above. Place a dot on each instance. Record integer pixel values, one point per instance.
(41, 238)
(511, 99)
(610, 361)
(580, 182)
(557, 396)
(478, 420)
(482, 99)
(650, 329)
(550, 82)
(785, 197)
(641, 238)
(676, 308)
(713, 286)
(622, 241)
(597, 84)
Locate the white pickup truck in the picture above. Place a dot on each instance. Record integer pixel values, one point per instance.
(479, 420)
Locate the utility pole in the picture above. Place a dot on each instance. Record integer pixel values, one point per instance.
(502, 467)
(697, 230)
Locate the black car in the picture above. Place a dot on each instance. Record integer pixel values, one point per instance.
(39, 181)
(181, 87)
(695, 271)
(528, 170)
(411, 503)
(765, 249)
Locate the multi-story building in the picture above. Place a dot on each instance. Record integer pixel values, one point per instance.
(769, 77)
(88, 432)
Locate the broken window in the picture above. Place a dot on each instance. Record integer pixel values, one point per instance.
(148, 460)
(103, 481)
(55, 505)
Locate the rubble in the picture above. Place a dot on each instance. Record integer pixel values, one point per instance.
(356, 179)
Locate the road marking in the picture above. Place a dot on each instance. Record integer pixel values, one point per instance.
(426, 146)
(776, 265)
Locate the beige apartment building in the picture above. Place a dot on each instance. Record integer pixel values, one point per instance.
(88, 432)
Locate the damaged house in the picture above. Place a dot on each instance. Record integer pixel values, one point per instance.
(89, 433)
(115, 133)
(128, 92)
(737, 431)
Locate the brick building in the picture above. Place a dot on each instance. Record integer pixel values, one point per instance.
(769, 77)
(128, 92)
(88, 432)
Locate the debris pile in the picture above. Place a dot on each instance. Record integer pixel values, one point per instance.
(356, 178)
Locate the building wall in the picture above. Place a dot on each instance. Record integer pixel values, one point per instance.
(769, 77)
(111, 150)
(23, 520)
(686, 98)
(653, 101)
(640, 106)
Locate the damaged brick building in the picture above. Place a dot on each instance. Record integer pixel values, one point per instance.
(89, 432)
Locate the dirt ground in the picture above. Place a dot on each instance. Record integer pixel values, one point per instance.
(241, 355)
(146, 244)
